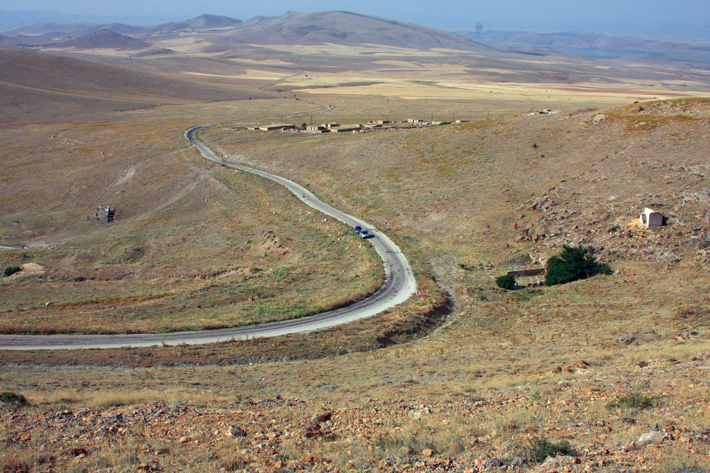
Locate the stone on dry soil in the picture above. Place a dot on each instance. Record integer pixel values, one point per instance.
(236, 432)
(486, 461)
(322, 417)
(649, 438)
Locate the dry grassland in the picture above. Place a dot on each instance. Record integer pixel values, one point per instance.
(491, 382)
(194, 245)
(614, 365)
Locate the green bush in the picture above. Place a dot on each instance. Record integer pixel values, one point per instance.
(13, 398)
(571, 265)
(9, 271)
(506, 282)
(540, 449)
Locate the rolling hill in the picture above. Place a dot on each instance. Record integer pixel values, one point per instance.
(43, 87)
(74, 30)
(104, 39)
(345, 29)
(27, 41)
(198, 23)
(5, 44)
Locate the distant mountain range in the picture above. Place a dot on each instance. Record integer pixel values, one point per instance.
(349, 29)
(11, 20)
(591, 45)
(75, 30)
(292, 28)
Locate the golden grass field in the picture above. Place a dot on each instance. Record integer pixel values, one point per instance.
(463, 371)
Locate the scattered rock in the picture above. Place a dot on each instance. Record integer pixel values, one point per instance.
(308, 458)
(236, 432)
(322, 417)
(649, 438)
(627, 338)
(486, 461)
(404, 451)
(312, 430)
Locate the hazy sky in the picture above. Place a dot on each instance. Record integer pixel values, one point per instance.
(649, 17)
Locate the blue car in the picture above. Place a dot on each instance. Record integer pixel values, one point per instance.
(358, 229)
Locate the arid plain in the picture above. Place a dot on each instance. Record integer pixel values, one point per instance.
(610, 372)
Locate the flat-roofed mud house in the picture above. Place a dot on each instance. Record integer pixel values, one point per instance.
(277, 127)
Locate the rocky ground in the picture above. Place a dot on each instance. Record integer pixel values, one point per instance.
(649, 415)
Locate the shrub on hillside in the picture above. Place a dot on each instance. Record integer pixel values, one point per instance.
(606, 270)
(9, 271)
(506, 282)
(9, 397)
(539, 449)
(572, 264)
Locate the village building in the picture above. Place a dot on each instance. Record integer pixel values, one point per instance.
(349, 128)
(277, 127)
(317, 129)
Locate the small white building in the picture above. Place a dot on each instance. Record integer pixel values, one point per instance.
(651, 218)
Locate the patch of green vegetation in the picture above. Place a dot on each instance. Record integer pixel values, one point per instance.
(540, 449)
(634, 401)
(606, 270)
(10, 397)
(573, 264)
(528, 294)
(506, 282)
(10, 270)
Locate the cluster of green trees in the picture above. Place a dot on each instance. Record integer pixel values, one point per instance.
(10, 270)
(573, 264)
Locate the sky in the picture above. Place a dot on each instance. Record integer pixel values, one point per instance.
(656, 18)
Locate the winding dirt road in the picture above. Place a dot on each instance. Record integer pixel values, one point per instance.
(399, 286)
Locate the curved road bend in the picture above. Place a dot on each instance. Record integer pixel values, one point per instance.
(398, 287)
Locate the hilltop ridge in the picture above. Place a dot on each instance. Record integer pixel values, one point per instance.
(200, 22)
(104, 39)
(339, 27)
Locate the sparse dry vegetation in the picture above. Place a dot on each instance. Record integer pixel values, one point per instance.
(610, 370)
